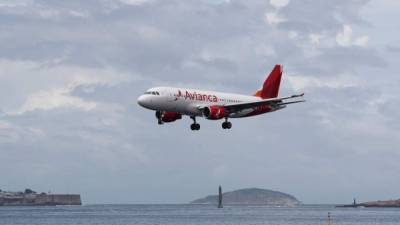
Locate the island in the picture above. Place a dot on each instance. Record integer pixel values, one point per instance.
(31, 198)
(251, 196)
(388, 204)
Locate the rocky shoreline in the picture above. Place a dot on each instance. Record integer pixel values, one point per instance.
(387, 204)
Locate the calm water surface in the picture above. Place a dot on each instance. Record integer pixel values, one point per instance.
(194, 215)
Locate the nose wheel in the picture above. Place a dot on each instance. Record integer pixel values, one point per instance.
(226, 124)
(194, 126)
(158, 116)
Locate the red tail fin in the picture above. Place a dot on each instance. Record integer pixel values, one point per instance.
(271, 85)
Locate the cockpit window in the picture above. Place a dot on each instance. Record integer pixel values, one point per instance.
(152, 93)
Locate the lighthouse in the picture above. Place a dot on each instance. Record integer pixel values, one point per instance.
(220, 197)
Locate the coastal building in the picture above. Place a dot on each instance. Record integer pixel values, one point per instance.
(31, 198)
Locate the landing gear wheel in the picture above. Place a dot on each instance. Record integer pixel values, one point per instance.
(195, 126)
(226, 125)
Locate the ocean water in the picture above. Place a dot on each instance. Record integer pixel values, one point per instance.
(195, 215)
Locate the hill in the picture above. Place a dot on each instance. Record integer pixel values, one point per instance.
(251, 196)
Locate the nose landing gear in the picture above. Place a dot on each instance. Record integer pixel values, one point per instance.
(158, 116)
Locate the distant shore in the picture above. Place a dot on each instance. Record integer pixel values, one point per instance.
(382, 204)
(31, 198)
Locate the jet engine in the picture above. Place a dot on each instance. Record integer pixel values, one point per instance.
(214, 112)
(168, 117)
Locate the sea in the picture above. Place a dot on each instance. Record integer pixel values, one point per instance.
(196, 215)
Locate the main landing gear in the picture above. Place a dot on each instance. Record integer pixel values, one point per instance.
(194, 126)
(226, 124)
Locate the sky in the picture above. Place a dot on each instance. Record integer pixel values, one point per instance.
(71, 71)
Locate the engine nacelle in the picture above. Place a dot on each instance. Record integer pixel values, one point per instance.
(168, 117)
(214, 112)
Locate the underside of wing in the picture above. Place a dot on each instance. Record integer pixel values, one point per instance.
(272, 102)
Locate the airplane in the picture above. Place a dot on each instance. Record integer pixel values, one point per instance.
(172, 103)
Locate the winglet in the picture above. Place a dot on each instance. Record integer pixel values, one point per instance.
(271, 85)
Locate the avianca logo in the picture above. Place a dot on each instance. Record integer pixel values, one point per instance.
(197, 96)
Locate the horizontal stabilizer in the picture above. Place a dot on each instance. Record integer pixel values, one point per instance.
(287, 103)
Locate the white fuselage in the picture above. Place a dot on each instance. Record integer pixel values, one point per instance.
(190, 102)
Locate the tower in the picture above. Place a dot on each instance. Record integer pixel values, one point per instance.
(329, 218)
(220, 197)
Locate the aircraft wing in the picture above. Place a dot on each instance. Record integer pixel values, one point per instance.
(273, 102)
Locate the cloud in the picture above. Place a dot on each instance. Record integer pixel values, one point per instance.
(134, 2)
(315, 39)
(53, 85)
(12, 133)
(13, 4)
(393, 49)
(308, 82)
(279, 3)
(58, 98)
(345, 38)
(274, 18)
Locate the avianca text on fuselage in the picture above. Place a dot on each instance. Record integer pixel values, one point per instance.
(172, 103)
(197, 96)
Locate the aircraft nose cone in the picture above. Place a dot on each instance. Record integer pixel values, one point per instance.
(142, 101)
(145, 101)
